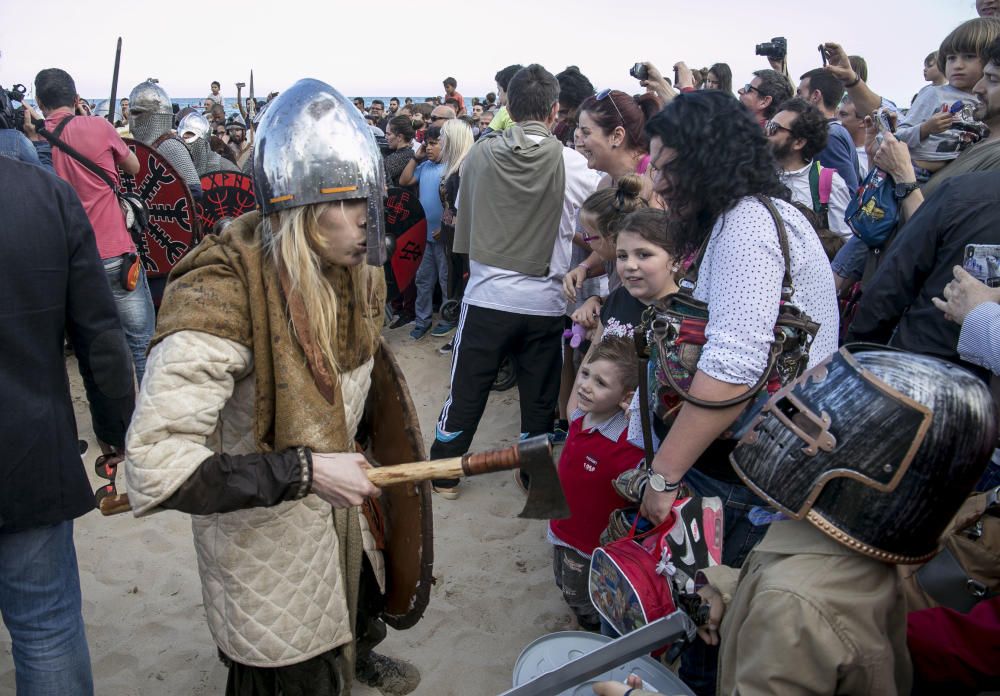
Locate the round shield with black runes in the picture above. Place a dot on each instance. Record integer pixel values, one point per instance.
(226, 195)
(172, 215)
(406, 229)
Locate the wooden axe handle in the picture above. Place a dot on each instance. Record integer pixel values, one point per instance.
(456, 467)
(115, 504)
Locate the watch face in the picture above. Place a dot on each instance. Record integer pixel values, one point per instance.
(657, 482)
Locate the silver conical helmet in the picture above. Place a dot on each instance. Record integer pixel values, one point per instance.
(104, 107)
(150, 112)
(193, 125)
(313, 146)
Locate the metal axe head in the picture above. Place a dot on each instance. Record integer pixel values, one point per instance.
(545, 494)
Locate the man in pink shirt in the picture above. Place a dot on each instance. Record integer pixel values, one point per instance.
(96, 139)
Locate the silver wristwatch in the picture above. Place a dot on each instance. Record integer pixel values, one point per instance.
(660, 484)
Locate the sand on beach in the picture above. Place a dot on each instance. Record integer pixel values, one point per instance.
(494, 591)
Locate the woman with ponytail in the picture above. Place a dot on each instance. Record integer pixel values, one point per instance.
(611, 134)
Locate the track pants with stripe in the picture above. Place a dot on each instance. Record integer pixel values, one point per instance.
(484, 337)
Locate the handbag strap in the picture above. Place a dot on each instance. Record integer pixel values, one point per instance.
(689, 282)
(53, 137)
(642, 350)
(787, 290)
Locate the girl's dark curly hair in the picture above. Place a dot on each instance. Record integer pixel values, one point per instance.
(722, 156)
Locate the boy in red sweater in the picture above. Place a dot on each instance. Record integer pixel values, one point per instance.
(597, 450)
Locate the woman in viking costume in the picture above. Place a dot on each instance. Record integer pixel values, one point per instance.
(257, 381)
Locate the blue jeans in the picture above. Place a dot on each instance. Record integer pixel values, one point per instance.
(40, 604)
(433, 269)
(136, 312)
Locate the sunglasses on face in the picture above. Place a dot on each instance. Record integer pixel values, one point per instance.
(748, 88)
(771, 128)
(605, 94)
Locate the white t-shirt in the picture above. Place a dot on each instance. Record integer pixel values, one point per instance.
(510, 291)
(840, 196)
(862, 162)
(740, 279)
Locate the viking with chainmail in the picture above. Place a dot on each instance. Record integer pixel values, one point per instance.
(195, 131)
(151, 121)
(262, 373)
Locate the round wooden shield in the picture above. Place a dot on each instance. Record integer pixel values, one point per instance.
(172, 215)
(406, 226)
(226, 195)
(409, 522)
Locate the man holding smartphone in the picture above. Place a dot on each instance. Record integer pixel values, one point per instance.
(897, 308)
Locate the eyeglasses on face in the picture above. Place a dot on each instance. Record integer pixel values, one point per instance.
(771, 128)
(606, 94)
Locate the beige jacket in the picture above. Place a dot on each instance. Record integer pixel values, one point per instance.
(810, 616)
(271, 581)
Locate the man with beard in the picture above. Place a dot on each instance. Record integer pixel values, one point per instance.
(796, 136)
(238, 143)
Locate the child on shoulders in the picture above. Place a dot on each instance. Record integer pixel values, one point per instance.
(928, 128)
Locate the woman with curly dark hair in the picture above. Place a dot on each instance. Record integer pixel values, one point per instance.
(710, 160)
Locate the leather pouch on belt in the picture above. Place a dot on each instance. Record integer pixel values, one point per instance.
(129, 271)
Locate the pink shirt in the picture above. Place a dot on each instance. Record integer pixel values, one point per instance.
(96, 139)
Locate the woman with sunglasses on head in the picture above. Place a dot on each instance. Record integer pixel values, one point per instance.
(610, 134)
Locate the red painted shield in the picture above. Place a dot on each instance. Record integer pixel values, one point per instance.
(226, 195)
(172, 216)
(405, 223)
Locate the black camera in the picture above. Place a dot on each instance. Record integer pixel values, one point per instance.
(776, 48)
(9, 116)
(639, 71)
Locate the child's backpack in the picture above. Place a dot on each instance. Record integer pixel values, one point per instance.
(646, 575)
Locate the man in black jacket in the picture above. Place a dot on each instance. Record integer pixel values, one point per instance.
(896, 307)
(51, 282)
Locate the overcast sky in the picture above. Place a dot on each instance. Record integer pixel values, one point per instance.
(393, 47)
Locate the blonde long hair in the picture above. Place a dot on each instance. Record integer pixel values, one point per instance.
(291, 245)
(456, 137)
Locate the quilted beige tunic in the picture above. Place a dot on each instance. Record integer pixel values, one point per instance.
(271, 581)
